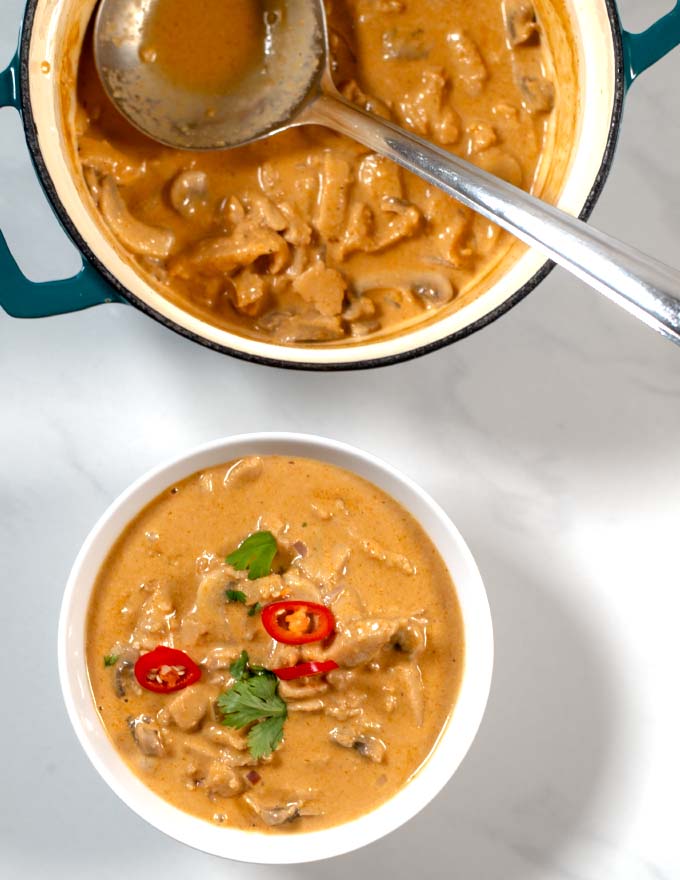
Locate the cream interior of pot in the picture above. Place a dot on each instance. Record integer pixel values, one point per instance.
(581, 46)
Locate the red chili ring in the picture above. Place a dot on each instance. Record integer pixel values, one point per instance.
(182, 671)
(321, 622)
(288, 673)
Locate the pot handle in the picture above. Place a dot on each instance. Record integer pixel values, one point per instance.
(22, 298)
(645, 49)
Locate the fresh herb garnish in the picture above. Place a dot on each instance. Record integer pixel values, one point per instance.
(254, 609)
(236, 596)
(254, 700)
(255, 555)
(239, 667)
(110, 659)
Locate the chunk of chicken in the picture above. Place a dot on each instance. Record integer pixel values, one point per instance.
(307, 327)
(302, 689)
(353, 93)
(333, 195)
(362, 640)
(381, 177)
(390, 558)
(249, 292)
(223, 781)
(226, 254)
(470, 66)
(244, 471)
(404, 44)
(427, 110)
(156, 618)
(189, 707)
(102, 157)
(412, 680)
(323, 288)
(136, 236)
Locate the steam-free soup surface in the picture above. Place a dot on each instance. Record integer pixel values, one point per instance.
(205, 45)
(352, 736)
(308, 237)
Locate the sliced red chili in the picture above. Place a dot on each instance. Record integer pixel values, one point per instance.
(288, 673)
(166, 670)
(295, 622)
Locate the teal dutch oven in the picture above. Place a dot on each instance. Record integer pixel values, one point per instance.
(609, 61)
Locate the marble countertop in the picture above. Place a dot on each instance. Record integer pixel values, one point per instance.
(552, 438)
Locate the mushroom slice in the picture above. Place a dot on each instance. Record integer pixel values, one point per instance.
(350, 737)
(123, 671)
(538, 93)
(147, 737)
(279, 814)
(431, 287)
(136, 236)
(411, 637)
(521, 25)
(189, 192)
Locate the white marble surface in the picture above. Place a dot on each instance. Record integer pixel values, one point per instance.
(551, 438)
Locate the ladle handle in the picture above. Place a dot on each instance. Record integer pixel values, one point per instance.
(643, 286)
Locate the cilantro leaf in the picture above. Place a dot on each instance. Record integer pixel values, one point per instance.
(254, 700)
(251, 699)
(264, 737)
(110, 659)
(254, 609)
(236, 596)
(255, 555)
(239, 667)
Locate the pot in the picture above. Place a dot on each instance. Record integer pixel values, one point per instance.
(252, 846)
(610, 60)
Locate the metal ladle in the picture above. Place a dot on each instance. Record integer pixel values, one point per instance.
(296, 88)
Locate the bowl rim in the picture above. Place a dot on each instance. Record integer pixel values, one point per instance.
(40, 164)
(453, 742)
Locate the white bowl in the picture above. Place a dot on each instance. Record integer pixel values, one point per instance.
(250, 846)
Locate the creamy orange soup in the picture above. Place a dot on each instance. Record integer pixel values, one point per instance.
(338, 739)
(308, 237)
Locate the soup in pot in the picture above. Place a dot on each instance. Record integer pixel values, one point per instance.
(308, 237)
(275, 644)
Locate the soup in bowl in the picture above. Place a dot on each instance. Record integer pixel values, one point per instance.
(276, 649)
